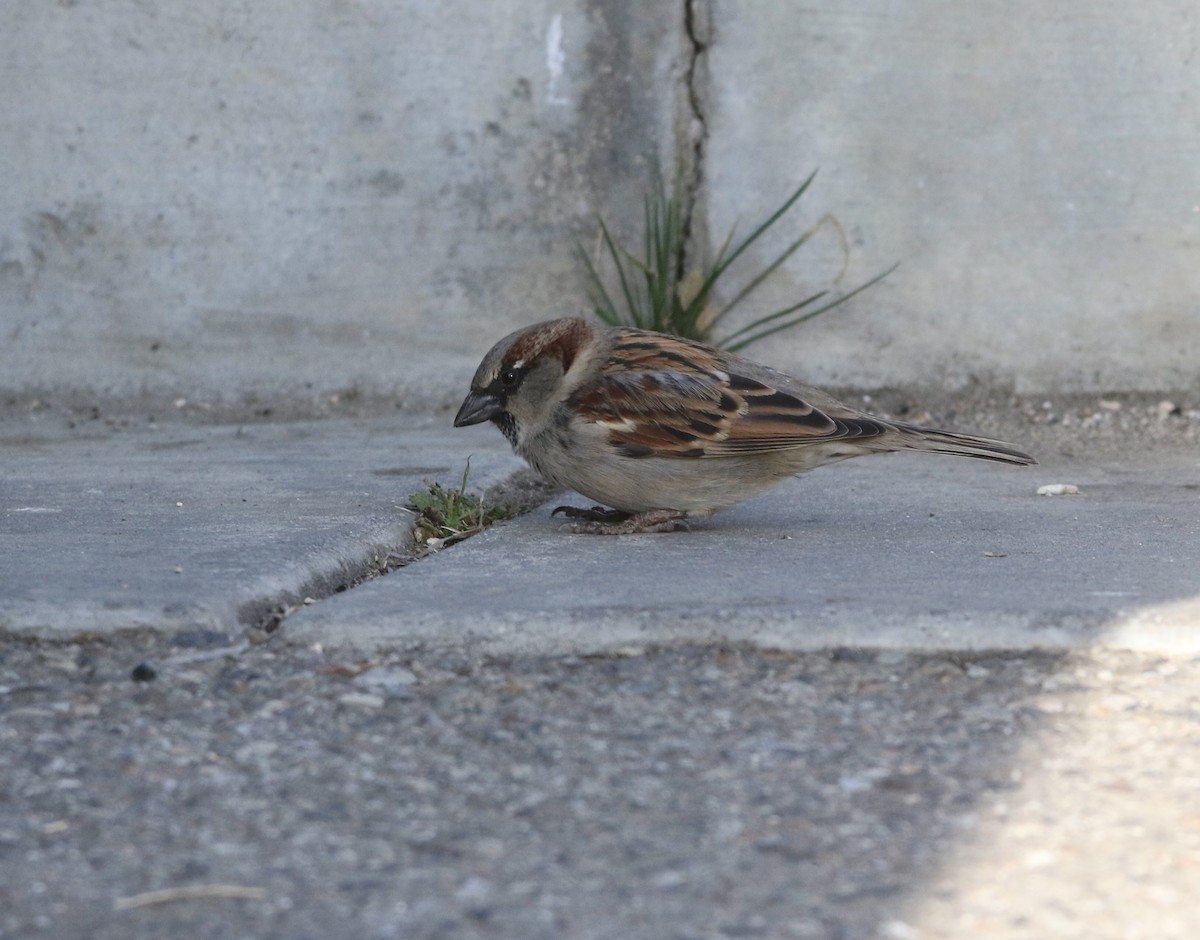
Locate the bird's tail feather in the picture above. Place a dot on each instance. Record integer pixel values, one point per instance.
(964, 445)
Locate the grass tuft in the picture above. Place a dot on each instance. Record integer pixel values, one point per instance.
(655, 293)
(449, 515)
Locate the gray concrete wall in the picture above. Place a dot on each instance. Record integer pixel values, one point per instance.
(1035, 167)
(269, 200)
(277, 197)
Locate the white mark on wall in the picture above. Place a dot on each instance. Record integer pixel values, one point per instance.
(555, 59)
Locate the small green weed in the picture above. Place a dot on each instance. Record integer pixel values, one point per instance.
(656, 294)
(446, 516)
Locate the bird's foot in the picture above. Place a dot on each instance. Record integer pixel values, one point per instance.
(595, 514)
(601, 521)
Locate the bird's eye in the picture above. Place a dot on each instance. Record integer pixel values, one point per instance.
(510, 378)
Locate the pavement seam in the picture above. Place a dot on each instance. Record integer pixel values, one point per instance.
(523, 489)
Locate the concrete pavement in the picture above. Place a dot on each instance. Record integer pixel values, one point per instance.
(435, 752)
(217, 527)
(187, 527)
(911, 552)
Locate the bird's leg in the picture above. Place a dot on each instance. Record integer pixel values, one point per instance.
(601, 521)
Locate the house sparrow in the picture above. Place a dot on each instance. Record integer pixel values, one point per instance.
(665, 429)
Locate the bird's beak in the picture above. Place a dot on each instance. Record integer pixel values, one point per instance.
(476, 408)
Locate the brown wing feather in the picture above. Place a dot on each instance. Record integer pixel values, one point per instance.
(668, 397)
(778, 420)
(662, 414)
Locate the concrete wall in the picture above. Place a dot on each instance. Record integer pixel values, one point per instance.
(268, 200)
(1034, 167)
(268, 197)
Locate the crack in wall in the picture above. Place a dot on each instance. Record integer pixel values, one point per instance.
(692, 144)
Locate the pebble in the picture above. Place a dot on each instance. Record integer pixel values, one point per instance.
(1058, 489)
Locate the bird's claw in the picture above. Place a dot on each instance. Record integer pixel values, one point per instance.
(595, 514)
(601, 521)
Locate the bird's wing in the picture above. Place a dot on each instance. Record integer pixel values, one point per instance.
(668, 397)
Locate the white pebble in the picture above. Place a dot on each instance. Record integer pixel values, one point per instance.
(1058, 489)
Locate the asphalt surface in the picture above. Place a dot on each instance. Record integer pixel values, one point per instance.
(897, 698)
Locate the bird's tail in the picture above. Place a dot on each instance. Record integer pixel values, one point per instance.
(950, 442)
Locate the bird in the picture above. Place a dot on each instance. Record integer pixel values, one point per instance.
(661, 429)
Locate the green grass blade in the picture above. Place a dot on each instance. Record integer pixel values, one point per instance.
(770, 318)
(764, 274)
(663, 246)
(616, 254)
(656, 275)
(808, 316)
(719, 268)
(602, 302)
(696, 307)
